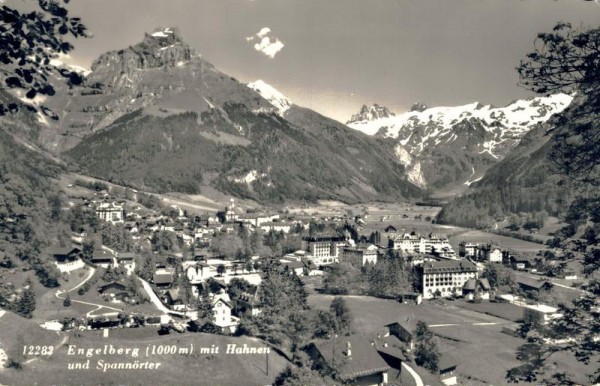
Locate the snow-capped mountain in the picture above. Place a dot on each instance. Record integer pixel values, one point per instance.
(451, 144)
(157, 114)
(372, 113)
(277, 99)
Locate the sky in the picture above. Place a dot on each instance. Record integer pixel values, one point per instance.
(333, 56)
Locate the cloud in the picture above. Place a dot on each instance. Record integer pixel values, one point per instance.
(268, 45)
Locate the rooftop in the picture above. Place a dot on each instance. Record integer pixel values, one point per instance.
(449, 266)
(362, 361)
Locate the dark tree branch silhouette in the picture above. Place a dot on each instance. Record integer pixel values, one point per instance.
(569, 60)
(29, 41)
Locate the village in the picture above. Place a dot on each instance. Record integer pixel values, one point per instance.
(186, 272)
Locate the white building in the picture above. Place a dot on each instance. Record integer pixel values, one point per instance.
(323, 250)
(446, 278)
(222, 318)
(495, 256)
(540, 313)
(432, 244)
(109, 211)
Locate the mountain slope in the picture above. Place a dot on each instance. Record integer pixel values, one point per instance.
(526, 180)
(445, 146)
(187, 124)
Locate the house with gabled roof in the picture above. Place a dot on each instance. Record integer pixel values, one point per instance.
(222, 318)
(103, 258)
(533, 284)
(403, 329)
(477, 289)
(354, 359)
(66, 259)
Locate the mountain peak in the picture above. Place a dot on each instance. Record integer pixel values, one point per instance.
(163, 36)
(371, 113)
(162, 48)
(271, 94)
(419, 106)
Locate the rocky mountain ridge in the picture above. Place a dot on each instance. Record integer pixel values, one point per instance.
(442, 146)
(371, 113)
(158, 116)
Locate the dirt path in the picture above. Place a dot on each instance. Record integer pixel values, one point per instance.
(98, 306)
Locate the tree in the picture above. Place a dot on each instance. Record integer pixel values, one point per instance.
(342, 315)
(426, 351)
(29, 41)
(221, 269)
(26, 303)
(67, 301)
(490, 272)
(568, 59)
(55, 203)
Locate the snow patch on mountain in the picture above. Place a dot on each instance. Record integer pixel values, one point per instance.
(277, 99)
(163, 33)
(252, 176)
(411, 165)
(418, 129)
(517, 116)
(62, 61)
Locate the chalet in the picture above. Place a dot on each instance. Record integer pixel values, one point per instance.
(535, 285)
(64, 254)
(476, 289)
(403, 330)
(112, 288)
(66, 259)
(354, 359)
(102, 258)
(447, 370)
(520, 262)
(248, 301)
(117, 291)
(164, 277)
(127, 261)
(361, 255)
(172, 299)
(390, 348)
(445, 278)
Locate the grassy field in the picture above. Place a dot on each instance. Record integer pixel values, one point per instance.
(181, 368)
(502, 310)
(516, 245)
(483, 352)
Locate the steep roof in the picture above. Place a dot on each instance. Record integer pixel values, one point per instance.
(470, 284)
(363, 360)
(532, 282)
(485, 284)
(62, 251)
